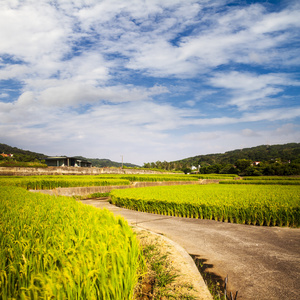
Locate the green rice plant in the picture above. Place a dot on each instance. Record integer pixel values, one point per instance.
(215, 176)
(57, 248)
(271, 205)
(263, 182)
(158, 177)
(271, 178)
(51, 182)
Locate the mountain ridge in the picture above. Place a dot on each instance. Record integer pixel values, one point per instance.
(26, 156)
(284, 152)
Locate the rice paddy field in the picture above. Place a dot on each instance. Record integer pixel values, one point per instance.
(46, 182)
(265, 180)
(57, 248)
(51, 182)
(255, 204)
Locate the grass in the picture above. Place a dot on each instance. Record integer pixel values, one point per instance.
(162, 280)
(92, 196)
(22, 164)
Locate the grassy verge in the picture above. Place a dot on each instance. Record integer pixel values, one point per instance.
(163, 280)
(92, 196)
(22, 164)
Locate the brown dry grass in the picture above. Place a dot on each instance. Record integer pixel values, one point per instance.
(167, 277)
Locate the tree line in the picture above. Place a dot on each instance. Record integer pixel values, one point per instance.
(260, 160)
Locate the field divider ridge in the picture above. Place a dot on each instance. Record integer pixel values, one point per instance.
(87, 190)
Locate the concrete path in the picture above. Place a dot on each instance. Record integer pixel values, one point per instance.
(262, 263)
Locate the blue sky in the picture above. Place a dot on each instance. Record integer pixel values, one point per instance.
(148, 79)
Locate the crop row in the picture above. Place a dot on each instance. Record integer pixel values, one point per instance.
(243, 204)
(272, 178)
(215, 176)
(57, 248)
(153, 177)
(45, 182)
(52, 181)
(262, 182)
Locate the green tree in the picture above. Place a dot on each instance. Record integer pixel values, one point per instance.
(243, 164)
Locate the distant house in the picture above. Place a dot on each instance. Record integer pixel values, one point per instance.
(255, 163)
(6, 155)
(64, 161)
(195, 170)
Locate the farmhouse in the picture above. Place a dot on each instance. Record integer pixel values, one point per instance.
(64, 161)
(6, 155)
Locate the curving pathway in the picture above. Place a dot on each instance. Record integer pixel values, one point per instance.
(262, 263)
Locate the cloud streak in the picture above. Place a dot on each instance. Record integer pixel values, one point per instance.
(144, 77)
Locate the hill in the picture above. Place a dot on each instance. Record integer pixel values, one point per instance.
(29, 156)
(260, 160)
(102, 163)
(21, 155)
(284, 153)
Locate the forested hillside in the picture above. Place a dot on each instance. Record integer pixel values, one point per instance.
(102, 163)
(284, 153)
(21, 155)
(260, 160)
(29, 156)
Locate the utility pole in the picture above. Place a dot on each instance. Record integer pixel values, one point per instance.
(122, 161)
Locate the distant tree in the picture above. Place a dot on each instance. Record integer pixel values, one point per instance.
(186, 170)
(252, 171)
(229, 169)
(243, 164)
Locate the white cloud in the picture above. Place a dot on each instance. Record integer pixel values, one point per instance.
(287, 130)
(13, 71)
(249, 133)
(225, 140)
(68, 93)
(277, 22)
(104, 78)
(247, 90)
(32, 31)
(4, 95)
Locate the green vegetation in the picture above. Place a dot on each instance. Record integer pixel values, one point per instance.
(154, 177)
(273, 178)
(55, 181)
(163, 280)
(51, 182)
(13, 163)
(256, 161)
(276, 180)
(244, 204)
(20, 155)
(104, 163)
(215, 176)
(282, 153)
(262, 182)
(57, 248)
